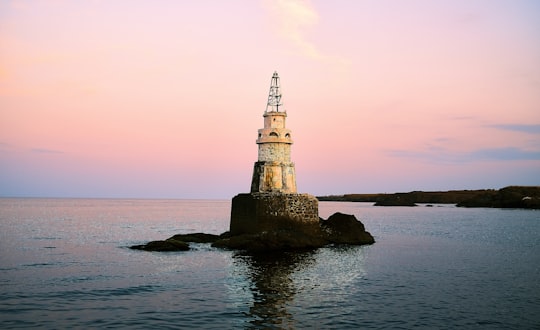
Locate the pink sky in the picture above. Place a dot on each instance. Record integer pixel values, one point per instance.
(164, 99)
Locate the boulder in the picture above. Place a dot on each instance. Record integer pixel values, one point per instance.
(345, 229)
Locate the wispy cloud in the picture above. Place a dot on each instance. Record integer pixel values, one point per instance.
(510, 153)
(294, 18)
(45, 151)
(532, 129)
(442, 155)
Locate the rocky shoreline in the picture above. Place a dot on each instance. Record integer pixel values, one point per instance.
(526, 197)
(337, 229)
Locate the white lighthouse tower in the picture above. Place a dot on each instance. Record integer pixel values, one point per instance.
(274, 171)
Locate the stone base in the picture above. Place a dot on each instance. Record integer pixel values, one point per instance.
(255, 213)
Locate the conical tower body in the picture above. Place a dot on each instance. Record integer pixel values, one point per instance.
(274, 171)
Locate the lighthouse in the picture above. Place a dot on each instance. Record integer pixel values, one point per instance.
(273, 215)
(274, 171)
(273, 203)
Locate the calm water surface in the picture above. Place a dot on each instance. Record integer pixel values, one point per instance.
(64, 264)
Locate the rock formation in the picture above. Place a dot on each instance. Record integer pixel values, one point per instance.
(338, 229)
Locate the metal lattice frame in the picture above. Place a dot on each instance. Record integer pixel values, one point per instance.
(274, 96)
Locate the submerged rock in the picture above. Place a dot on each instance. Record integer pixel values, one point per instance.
(162, 246)
(177, 242)
(195, 238)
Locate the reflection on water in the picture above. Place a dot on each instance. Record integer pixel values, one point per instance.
(441, 267)
(293, 289)
(272, 285)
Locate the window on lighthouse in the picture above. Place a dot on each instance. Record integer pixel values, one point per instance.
(274, 134)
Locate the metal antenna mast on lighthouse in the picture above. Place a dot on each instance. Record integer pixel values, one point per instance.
(274, 96)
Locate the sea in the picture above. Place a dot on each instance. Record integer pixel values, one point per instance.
(65, 264)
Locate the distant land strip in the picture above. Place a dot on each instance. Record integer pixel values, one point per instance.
(527, 197)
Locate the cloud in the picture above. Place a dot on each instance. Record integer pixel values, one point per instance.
(294, 18)
(510, 153)
(442, 155)
(532, 129)
(9, 147)
(45, 151)
(433, 155)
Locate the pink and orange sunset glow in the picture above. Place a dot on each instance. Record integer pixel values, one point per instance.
(163, 99)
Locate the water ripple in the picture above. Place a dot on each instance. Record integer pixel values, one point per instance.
(430, 268)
